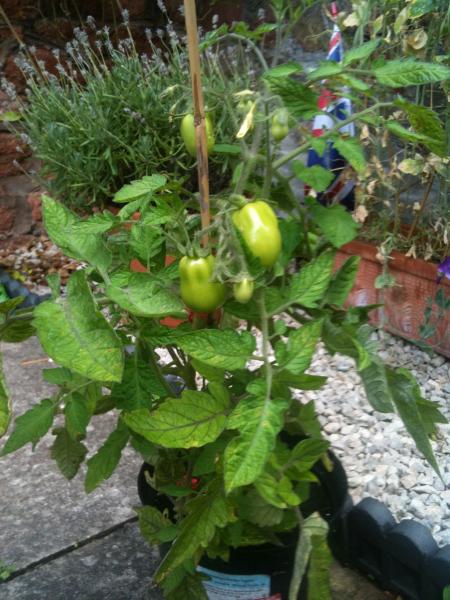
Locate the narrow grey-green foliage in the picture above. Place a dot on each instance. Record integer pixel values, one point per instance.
(112, 115)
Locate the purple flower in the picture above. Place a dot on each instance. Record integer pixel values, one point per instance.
(444, 269)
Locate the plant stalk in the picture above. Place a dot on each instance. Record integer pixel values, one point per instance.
(199, 113)
(290, 155)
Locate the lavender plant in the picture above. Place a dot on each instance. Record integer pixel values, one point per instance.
(111, 115)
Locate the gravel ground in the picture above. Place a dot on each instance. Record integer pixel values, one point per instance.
(377, 452)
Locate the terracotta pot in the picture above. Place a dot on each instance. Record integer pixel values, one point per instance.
(404, 304)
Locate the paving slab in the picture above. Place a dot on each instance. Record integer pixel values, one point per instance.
(116, 567)
(40, 511)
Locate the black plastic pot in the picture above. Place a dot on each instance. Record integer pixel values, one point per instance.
(268, 564)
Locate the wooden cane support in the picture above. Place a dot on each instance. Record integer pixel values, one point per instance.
(199, 113)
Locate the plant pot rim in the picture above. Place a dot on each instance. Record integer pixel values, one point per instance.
(399, 261)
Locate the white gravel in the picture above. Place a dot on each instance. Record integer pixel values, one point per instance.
(378, 454)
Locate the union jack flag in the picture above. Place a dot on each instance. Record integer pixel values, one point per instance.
(333, 107)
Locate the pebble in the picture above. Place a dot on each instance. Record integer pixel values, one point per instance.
(379, 455)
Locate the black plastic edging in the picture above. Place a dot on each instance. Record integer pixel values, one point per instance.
(15, 288)
(401, 557)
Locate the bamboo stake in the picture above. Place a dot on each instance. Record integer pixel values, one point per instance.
(199, 113)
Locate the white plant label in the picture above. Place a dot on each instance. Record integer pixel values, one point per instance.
(222, 586)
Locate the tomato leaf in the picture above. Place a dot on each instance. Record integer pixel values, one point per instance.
(140, 188)
(402, 73)
(342, 282)
(206, 512)
(296, 356)
(67, 452)
(76, 335)
(258, 421)
(5, 403)
(31, 426)
(310, 284)
(102, 465)
(195, 419)
(144, 296)
(336, 224)
(226, 348)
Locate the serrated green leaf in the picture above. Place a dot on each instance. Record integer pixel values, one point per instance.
(353, 152)
(327, 68)
(155, 527)
(342, 282)
(206, 461)
(402, 73)
(9, 305)
(139, 385)
(307, 452)
(141, 187)
(60, 376)
(31, 426)
(258, 420)
(68, 453)
(275, 490)
(208, 372)
(143, 295)
(257, 510)
(296, 356)
(66, 231)
(190, 587)
(426, 122)
(195, 419)
(336, 339)
(360, 53)
(78, 414)
(355, 83)
(301, 382)
(102, 465)
(225, 348)
(75, 334)
(5, 402)
(300, 100)
(15, 331)
(336, 224)
(206, 512)
(407, 134)
(376, 386)
(317, 177)
(309, 285)
(283, 70)
(320, 559)
(403, 395)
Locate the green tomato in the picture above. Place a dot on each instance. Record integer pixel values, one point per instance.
(197, 290)
(280, 124)
(258, 225)
(187, 130)
(243, 290)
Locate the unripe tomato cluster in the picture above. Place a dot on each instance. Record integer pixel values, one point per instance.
(258, 225)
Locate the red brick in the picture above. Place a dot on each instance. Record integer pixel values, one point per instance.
(54, 30)
(7, 217)
(34, 201)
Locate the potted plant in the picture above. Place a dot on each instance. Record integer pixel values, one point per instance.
(403, 200)
(215, 406)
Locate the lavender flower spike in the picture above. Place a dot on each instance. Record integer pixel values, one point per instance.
(444, 269)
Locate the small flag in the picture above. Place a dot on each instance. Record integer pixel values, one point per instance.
(342, 188)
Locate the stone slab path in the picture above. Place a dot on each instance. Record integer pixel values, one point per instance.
(61, 543)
